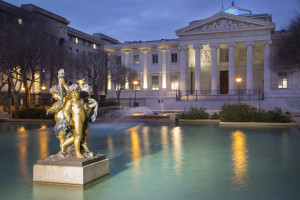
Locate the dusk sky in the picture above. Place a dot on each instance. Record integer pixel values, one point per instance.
(134, 20)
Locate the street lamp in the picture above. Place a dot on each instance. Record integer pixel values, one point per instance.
(43, 88)
(135, 83)
(238, 80)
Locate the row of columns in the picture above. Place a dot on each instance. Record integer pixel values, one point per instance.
(232, 76)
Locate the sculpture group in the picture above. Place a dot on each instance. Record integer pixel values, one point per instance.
(72, 111)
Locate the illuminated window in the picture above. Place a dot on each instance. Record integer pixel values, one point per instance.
(76, 40)
(174, 58)
(136, 59)
(282, 79)
(155, 83)
(154, 58)
(224, 55)
(174, 82)
(20, 21)
(95, 46)
(118, 86)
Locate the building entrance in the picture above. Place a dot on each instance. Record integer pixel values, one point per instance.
(224, 82)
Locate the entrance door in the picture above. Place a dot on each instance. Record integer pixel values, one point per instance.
(223, 82)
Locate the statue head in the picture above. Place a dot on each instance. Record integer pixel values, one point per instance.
(74, 91)
(55, 91)
(86, 91)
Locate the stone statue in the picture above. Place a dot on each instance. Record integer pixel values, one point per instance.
(72, 115)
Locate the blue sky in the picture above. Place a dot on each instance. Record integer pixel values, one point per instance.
(134, 20)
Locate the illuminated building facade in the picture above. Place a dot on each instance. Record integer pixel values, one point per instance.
(77, 44)
(204, 62)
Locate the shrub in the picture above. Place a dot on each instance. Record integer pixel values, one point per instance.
(215, 115)
(243, 113)
(195, 113)
(31, 113)
(108, 103)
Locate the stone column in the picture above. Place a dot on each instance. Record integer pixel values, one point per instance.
(197, 48)
(267, 72)
(164, 69)
(127, 61)
(231, 68)
(145, 70)
(182, 85)
(249, 86)
(214, 68)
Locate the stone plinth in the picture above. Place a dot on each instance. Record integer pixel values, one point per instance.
(71, 171)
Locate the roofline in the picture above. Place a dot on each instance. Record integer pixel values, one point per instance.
(105, 37)
(81, 34)
(36, 9)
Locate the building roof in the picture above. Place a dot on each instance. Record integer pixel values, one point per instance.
(234, 10)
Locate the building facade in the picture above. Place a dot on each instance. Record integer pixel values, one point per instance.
(205, 62)
(76, 43)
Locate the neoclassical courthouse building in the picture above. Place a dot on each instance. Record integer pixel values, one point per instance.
(201, 67)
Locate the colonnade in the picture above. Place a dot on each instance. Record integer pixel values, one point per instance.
(231, 68)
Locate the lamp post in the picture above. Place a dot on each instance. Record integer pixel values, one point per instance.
(238, 80)
(43, 88)
(135, 83)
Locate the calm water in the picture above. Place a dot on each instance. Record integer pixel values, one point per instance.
(152, 161)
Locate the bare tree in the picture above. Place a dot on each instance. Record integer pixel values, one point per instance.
(119, 75)
(287, 52)
(25, 51)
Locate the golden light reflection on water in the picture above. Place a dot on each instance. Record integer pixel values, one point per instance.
(239, 158)
(43, 127)
(135, 146)
(177, 151)
(22, 144)
(43, 142)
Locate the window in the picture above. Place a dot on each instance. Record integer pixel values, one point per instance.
(76, 40)
(77, 53)
(89, 57)
(94, 46)
(224, 55)
(174, 82)
(20, 21)
(118, 60)
(70, 37)
(83, 55)
(282, 79)
(154, 82)
(70, 51)
(154, 58)
(83, 42)
(174, 58)
(136, 59)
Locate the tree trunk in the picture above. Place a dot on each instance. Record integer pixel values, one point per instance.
(16, 98)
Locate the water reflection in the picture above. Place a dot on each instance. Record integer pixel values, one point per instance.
(177, 150)
(165, 144)
(135, 146)
(22, 145)
(146, 139)
(43, 142)
(239, 158)
(110, 146)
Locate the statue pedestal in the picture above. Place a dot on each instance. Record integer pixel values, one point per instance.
(70, 171)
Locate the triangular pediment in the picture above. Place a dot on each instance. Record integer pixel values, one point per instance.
(224, 22)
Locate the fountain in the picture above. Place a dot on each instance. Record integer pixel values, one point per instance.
(74, 163)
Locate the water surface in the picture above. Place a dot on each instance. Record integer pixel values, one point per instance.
(155, 161)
